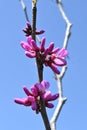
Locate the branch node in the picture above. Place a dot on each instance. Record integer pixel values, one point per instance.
(64, 100)
(59, 2)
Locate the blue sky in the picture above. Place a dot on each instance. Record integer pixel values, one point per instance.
(17, 70)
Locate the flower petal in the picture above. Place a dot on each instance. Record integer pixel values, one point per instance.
(25, 46)
(63, 52)
(59, 61)
(30, 54)
(42, 44)
(55, 50)
(49, 105)
(34, 46)
(40, 32)
(51, 46)
(39, 87)
(45, 85)
(29, 38)
(53, 97)
(28, 24)
(27, 91)
(47, 95)
(31, 99)
(54, 68)
(23, 101)
(19, 101)
(34, 106)
(34, 91)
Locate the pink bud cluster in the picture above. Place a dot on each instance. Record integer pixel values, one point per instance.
(28, 30)
(49, 56)
(38, 91)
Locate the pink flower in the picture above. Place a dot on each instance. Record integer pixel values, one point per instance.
(47, 96)
(28, 30)
(48, 56)
(30, 47)
(55, 58)
(39, 90)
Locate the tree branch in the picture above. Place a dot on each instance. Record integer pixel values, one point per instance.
(39, 68)
(68, 24)
(59, 77)
(24, 9)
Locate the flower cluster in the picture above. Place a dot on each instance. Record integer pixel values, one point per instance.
(28, 30)
(49, 56)
(45, 56)
(38, 91)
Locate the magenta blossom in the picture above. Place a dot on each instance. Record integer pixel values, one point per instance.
(48, 56)
(39, 90)
(28, 30)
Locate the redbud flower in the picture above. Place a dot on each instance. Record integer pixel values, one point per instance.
(30, 47)
(55, 58)
(28, 30)
(49, 56)
(39, 90)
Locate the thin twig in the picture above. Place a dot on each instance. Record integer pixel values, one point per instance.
(61, 75)
(24, 9)
(68, 24)
(61, 100)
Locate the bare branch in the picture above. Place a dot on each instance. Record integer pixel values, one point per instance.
(68, 24)
(62, 73)
(24, 9)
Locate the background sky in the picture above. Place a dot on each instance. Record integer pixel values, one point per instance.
(17, 70)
